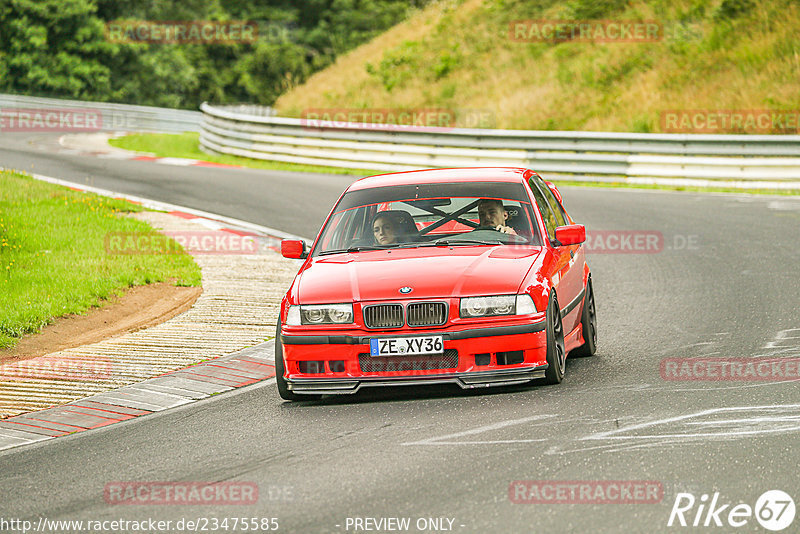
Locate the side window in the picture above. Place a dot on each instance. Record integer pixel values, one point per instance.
(362, 229)
(343, 228)
(329, 237)
(550, 221)
(556, 207)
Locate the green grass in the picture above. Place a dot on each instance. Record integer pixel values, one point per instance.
(53, 259)
(187, 145)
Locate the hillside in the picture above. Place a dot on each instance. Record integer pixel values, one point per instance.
(460, 55)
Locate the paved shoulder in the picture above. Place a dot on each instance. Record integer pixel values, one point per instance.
(243, 282)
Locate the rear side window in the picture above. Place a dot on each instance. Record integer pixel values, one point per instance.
(550, 220)
(558, 211)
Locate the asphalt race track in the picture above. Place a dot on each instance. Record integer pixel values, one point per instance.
(723, 283)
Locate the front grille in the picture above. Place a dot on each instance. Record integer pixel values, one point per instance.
(390, 364)
(383, 316)
(426, 313)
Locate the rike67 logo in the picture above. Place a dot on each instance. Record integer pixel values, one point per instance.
(774, 510)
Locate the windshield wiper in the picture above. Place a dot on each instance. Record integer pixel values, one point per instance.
(440, 242)
(360, 248)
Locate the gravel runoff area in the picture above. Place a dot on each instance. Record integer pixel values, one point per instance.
(93, 385)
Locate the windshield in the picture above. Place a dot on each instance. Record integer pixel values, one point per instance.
(474, 213)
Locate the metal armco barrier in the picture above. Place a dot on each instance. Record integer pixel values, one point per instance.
(227, 130)
(115, 117)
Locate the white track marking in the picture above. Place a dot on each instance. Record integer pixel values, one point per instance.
(441, 440)
(620, 440)
(783, 337)
(181, 162)
(782, 205)
(739, 386)
(624, 433)
(491, 442)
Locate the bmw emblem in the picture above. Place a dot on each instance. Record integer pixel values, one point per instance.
(406, 290)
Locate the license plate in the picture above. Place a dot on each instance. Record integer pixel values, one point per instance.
(405, 346)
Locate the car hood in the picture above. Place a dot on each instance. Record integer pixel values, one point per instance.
(430, 272)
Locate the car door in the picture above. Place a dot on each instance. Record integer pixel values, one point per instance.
(568, 266)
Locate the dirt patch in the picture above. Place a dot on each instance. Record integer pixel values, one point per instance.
(140, 307)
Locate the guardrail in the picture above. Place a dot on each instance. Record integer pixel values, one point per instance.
(115, 117)
(227, 130)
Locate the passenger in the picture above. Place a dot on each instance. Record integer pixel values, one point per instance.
(384, 229)
(492, 214)
(393, 226)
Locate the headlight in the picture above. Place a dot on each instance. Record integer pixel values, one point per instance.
(497, 305)
(483, 306)
(320, 314)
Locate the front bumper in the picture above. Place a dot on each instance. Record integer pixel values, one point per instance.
(482, 359)
(500, 377)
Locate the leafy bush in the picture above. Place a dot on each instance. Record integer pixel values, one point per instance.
(397, 65)
(594, 9)
(731, 9)
(448, 61)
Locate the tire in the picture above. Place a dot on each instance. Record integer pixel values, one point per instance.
(556, 355)
(280, 370)
(588, 325)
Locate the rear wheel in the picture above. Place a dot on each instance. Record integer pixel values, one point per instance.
(556, 355)
(588, 324)
(280, 370)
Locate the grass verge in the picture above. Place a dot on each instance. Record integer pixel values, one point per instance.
(53, 259)
(187, 145)
(691, 189)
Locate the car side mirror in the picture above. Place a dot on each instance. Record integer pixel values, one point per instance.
(571, 234)
(294, 248)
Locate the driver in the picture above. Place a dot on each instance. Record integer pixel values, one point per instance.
(491, 213)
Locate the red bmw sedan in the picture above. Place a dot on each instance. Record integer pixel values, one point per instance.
(474, 276)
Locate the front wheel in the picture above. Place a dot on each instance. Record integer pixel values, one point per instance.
(556, 355)
(280, 370)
